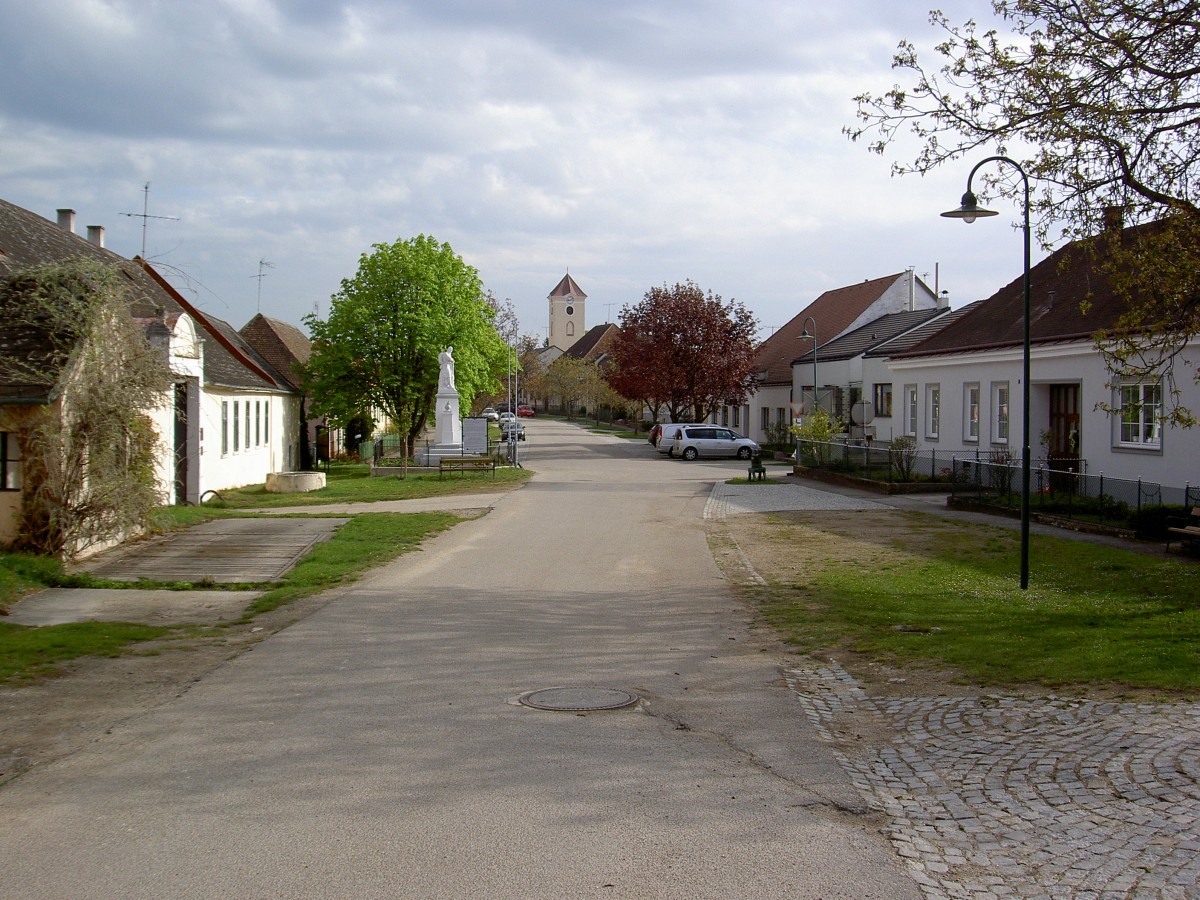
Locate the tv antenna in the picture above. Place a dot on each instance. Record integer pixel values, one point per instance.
(608, 311)
(145, 216)
(262, 264)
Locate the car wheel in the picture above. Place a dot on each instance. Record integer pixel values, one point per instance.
(671, 453)
(690, 453)
(743, 452)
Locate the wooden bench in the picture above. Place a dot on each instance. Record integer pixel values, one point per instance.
(1184, 528)
(466, 464)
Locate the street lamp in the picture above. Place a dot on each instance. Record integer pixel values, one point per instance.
(807, 335)
(968, 212)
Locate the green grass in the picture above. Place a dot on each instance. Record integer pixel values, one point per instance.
(28, 653)
(366, 541)
(354, 484)
(1093, 614)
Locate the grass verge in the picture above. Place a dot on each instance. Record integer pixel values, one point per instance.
(354, 484)
(937, 591)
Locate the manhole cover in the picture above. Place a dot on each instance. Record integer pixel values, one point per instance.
(566, 699)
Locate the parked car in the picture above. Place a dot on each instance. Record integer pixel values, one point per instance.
(510, 427)
(666, 438)
(692, 441)
(525, 410)
(490, 414)
(505, 416)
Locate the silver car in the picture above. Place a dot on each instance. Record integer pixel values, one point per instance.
(693, 441)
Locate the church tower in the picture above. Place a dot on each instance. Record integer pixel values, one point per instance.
(567, 323)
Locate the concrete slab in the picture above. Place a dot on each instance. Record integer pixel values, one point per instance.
(223, 551)
(58, 606)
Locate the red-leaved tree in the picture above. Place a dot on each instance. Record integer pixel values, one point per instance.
(685, 350)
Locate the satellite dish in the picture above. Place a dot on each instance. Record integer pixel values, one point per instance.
(862, 413)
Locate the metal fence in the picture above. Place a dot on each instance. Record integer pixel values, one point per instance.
(880, 462)
(1073, 495)
(1064, 489)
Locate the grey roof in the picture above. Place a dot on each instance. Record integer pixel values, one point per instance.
(860, 340)
(906, 341)
(27, 239)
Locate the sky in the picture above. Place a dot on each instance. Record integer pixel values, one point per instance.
(631, 143)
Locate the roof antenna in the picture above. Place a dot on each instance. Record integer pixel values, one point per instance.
(262, 264)
(145, 216)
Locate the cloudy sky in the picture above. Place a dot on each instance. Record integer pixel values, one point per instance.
(631, 142)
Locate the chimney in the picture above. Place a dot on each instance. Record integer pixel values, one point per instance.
(66, 220)
(96, 235)
(943, 300)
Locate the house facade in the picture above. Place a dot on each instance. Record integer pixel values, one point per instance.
(785, 390)
(224, 421)
(960, 388)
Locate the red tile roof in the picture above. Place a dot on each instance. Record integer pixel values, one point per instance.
(833, 312)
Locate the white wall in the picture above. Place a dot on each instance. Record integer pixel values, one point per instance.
(1174, 462)
(273, 423)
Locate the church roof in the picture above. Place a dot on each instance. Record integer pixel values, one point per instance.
(567, 288)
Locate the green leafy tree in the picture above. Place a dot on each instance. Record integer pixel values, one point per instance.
(685, 350)
(379, 348)
(88, 454)
(1099, 101)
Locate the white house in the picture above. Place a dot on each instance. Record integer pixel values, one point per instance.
(780, 394)
(961, 388)
(230, 418)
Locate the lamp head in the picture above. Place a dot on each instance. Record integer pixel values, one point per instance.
(805, 336)
(970, 210)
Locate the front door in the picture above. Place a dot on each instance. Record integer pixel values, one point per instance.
(1063, 451)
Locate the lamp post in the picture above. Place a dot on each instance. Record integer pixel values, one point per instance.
(807, 335)
(968, 212)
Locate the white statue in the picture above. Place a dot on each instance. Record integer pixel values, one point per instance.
(446, 379)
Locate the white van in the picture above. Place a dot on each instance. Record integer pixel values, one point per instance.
(666, 439)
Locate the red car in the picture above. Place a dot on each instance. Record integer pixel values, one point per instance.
(524, 410)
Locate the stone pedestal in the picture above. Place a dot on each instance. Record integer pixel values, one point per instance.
(447, 430)
(449, 423)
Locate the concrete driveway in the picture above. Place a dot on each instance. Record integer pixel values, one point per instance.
(379, 748)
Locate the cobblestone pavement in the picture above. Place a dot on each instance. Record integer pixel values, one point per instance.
(999, 796)
(1004, 796)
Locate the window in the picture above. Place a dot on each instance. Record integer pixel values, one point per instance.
(910, 409)
(10, 461)
(766, 418)
(225, 427)
(267, 422)
(933, 410)
(781, 415)
(883, 400)
(1000, 412)
(1141, 410)
(570, 329)
(257, 423)
(236, 420)
(971, 412)
(737, 417)
(247, 405)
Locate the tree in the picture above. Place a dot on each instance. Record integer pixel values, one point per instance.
(379, 348)
(685, 350)
(1100, 100)
(570, 381)
(88, 455)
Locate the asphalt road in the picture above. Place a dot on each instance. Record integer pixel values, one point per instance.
(377, 748)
